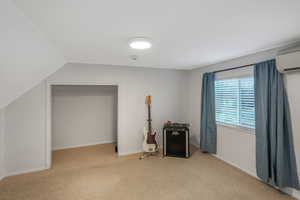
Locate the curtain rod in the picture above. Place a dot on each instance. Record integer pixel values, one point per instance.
(249, 65)
(229, 69)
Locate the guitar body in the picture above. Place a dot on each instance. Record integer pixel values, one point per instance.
(149, 143)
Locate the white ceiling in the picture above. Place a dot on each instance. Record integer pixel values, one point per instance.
(26, 56)
(186, 34)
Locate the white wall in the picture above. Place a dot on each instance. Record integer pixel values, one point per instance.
(237, 146)
(292, 86)
(83, 115)
(25, 132)
(26, 121)
(134, 84)
(2, 147)
(25, 118)
(26, 56)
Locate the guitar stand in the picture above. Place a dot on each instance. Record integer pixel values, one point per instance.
(148, 154)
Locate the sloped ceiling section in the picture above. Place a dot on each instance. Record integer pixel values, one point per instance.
(26, 56)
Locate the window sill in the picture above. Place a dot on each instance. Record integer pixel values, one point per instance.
(237, 128)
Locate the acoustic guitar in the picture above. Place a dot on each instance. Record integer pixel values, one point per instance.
(150, 142)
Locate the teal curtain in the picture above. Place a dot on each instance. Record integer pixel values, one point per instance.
(275, 156)
(208, 129)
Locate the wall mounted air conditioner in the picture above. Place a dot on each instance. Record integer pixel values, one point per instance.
(288, 62)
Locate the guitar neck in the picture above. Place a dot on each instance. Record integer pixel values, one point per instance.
(149, 118)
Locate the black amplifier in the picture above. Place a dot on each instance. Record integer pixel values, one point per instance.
(176, 140)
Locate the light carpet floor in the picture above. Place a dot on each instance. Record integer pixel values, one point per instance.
(96, 173)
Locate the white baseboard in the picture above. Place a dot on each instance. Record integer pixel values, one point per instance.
(129, 152)
(292, 192)
(295, 193)
(2, 174)
(81, 145)
(25, 171)
(236, 166)
(194, 143)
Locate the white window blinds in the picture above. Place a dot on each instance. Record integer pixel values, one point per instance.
(235, 103)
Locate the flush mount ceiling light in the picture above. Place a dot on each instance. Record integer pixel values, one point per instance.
(140, 43)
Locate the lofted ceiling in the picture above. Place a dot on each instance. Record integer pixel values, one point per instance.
(38, 37)
(185, 34)
(26, 55)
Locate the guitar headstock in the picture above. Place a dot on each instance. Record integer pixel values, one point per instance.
(148, 100)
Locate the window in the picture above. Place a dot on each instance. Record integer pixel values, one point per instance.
(235, 103)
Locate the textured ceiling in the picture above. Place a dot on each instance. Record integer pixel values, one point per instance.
(186, 34)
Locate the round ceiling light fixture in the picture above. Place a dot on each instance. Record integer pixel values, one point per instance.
(140, 43)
